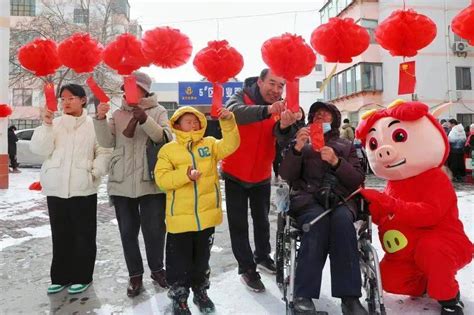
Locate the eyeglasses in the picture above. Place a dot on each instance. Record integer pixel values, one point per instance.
(68, 99)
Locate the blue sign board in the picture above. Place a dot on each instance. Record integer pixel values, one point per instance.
(200, 93)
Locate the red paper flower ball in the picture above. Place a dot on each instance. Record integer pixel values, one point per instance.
(405, 32)
(124, 54)
(166, 47)
(40, 56)
(218, 62)
(339, 40)
(288, 56)
(5, 110)
(80, 52)
(463, 24)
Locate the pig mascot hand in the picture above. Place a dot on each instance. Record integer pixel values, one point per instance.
(423, 239)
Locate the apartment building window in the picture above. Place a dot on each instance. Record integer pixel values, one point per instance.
(465, 119)
(318, 67)
(463, 78)
(171, 107)
(332, 8)
(22, 7)
(22, 97)
(121, 7)
(370, 26)
(81, 16)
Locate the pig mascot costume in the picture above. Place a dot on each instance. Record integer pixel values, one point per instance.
(417, 213)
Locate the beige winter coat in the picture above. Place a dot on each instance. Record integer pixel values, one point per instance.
(128, 169)
(74, 162)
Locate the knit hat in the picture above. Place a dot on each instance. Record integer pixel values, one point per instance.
(143, 81)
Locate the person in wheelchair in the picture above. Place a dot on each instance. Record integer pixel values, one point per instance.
(319, 181)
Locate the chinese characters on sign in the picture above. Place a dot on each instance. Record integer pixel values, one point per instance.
(200, 93)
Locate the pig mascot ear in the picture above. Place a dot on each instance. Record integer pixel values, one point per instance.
(403, 140)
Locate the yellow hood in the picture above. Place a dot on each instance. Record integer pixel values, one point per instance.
(194, 136)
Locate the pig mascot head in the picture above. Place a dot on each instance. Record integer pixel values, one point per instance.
(403, 140)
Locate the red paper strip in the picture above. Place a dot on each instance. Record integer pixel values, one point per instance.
(131, 90)
(50, 96)
(317, 136)
(97, 90)
(407, 78)
(217, 93)
(292, 95)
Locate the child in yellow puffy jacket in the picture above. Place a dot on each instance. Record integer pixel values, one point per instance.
(187, 171)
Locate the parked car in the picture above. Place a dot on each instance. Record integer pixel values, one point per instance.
(24, 155)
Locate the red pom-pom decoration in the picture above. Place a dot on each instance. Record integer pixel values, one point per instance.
(339, 40)
(288, 56)
(80, 52)
(35, 186)
(218, 62)
(124, 54)
(40, 56)
(405, 32)
(166, 47)
(463, 24)
(5, 110)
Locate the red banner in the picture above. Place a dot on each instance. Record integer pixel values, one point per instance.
(131, 90)
(216, 99)
(50, 96)
(292, 95)
(407, 78)
(97, 90)
(317, 136)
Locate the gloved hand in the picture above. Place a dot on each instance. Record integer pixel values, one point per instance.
(139, 114)
(380, 204)
(129, 131)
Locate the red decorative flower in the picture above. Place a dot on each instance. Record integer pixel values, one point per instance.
(125, 55)
(463, 24)
(166, 47)
(40, 56)
(405, 32)
(5, 110)
(80, 52)
(339, 40)
(288, 56)
(218, 62)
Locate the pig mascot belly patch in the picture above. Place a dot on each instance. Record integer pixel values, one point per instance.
(417, 214)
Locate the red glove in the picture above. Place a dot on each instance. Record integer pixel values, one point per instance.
(380, 204)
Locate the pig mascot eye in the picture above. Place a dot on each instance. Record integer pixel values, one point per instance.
(399, 135)
(373, 144)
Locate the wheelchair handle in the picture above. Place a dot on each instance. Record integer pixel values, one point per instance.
(307, 226)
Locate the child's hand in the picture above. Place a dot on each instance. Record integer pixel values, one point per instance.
(193, 174)
(224, 113)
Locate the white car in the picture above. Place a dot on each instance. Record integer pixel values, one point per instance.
(24, 156)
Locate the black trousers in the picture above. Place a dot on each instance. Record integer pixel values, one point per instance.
(335, 235)
(73, 228)
(277, 160)
(456, 163)
(187, 259)
(237, 201)
(13, 162)
(147, 212)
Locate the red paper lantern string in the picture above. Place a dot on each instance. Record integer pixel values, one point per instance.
(463, 24)
(218, 62)
(40, 57)
(124, 54)
(289, 57)
(405, 32)
(166, 47)
(340, 40)
(80, 52)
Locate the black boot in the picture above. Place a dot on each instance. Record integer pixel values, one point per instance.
(179, 295)
(452, 307)
(202, 300)
(135, 286)
(351, 306)
(304, 306)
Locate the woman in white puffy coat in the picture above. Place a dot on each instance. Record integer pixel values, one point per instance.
(70, 176)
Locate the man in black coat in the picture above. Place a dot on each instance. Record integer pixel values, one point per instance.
(12, 140)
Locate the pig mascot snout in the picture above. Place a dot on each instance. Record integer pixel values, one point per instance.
(417, 213)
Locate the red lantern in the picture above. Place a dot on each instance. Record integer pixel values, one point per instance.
(166, 47)
(218, 62)
(40, 56)
(289, 57)
(405, 32)
(125, 55)
(463, 24)
(339, 40)
(80, 52)
(5, 110)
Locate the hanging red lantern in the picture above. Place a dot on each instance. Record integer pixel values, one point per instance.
(218, 62)
(463, 24)
(166, 47)
(5, 110)
(125, 55)
(40, 56)
(80, 52)
(405, 32)
(339, 40)
(289, 57)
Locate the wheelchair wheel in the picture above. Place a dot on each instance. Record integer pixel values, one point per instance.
(372, 281)
(279, 251)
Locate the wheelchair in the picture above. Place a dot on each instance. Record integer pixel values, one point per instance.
(288, 241)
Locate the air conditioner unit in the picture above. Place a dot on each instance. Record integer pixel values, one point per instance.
(460, 47)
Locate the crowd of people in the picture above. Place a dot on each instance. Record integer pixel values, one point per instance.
(174, 198)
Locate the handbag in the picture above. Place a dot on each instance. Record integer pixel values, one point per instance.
(152, 149)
